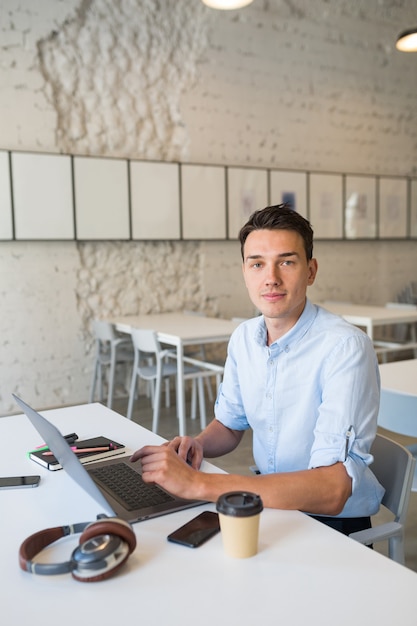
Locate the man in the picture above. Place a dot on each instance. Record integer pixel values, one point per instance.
(304, 380)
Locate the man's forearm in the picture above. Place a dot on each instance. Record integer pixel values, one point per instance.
(217, 439)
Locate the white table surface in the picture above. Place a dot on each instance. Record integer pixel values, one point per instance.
(400, 377)
(179, 330)
(370, 317)
(304, 572)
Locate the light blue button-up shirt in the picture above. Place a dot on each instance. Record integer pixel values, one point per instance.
(311, 399)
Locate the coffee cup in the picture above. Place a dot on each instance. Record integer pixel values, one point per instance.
(239, 514)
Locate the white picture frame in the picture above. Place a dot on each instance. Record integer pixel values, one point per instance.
(289, 187)
(326, 205)
(203, 202)
(43, 196)
(155, 200)
(360, 214)
(101, 198)
(247, 191)
(6, 216)
(413, 208)
(393, 200)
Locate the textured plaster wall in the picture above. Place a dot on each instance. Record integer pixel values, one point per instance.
(307, 84)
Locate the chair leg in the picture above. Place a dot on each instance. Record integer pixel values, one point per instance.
(112, 375)
(93, 382)
(202, 403)
(194, 392)
(209, 389)
(396, 549)
(100, 382)
(132, 391)
(157, 402)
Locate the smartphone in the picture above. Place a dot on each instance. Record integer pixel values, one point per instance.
(196, 531)
(16, 482)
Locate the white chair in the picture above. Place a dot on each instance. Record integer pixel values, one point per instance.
(398, 414)
(393, 466)
(145, 342)
(110, 351)
(403, 336)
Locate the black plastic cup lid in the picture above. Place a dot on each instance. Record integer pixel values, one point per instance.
(239, 504)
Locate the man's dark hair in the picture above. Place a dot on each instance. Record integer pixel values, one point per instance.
(278, 217)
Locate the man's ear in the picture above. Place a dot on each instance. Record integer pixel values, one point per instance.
(312, 271)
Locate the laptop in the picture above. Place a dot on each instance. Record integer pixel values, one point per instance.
(115, 484)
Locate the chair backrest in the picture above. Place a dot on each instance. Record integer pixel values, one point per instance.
(393, 467)
(104, 331)
(146, 340)
(398, 413)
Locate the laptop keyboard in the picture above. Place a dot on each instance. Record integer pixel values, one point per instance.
(127, 487)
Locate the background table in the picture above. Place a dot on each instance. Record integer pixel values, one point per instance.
(179, 330)
(304, 573)
(369, 317)
(400, 377)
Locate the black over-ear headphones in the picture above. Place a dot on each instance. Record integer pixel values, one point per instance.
(103, 547)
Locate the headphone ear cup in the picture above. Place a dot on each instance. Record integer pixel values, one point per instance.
(104, 546)
(111, 526)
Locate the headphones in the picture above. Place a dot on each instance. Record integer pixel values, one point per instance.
(103, 547)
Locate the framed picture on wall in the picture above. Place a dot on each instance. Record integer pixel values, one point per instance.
(413, 208)
(247, 191)
(6, 219)
(392, 207)
(326, 205)
(203, 201)
(289, 187)
(360, 207)
(155, 197)
(101, 198)
(43, 198)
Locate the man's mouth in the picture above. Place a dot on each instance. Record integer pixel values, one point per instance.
(273, 296)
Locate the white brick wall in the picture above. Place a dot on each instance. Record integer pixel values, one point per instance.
(305, 84)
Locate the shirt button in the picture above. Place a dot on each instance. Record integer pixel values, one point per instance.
(287, 348)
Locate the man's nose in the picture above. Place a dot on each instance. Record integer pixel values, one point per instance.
(273, 276)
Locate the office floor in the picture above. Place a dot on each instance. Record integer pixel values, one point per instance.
(240, 460)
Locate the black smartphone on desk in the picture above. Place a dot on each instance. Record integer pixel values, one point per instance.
(17, 482)
(196, 531)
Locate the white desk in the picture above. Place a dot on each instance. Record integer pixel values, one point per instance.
(369, 317)
(400, 377)
(179, 330)
(304, 573)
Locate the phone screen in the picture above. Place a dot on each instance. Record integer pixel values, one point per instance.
(14, 482)
(197, 531)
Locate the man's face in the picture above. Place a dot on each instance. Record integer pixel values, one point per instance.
(277, 274)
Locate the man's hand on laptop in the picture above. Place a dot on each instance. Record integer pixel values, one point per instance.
(162, 465)
(188, 449)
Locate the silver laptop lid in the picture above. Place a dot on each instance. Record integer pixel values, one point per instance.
(62, 451)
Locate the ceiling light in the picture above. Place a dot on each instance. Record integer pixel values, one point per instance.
(407, 41)
(227, 5)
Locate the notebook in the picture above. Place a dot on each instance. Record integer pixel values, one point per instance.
(99, 479)
(104, 448)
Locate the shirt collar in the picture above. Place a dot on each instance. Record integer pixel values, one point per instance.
(294, 335)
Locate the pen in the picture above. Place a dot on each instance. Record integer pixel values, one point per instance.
(71, 438)
(83, 450)
(348, 434)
